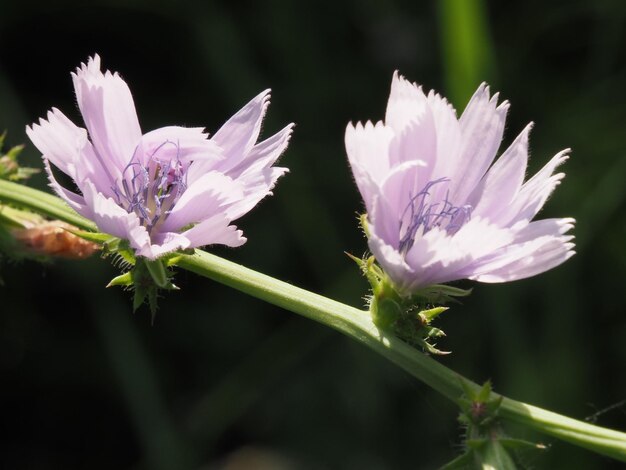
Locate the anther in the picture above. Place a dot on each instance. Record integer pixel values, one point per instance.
(425, 215)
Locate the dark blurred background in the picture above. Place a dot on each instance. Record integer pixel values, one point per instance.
(223, 381)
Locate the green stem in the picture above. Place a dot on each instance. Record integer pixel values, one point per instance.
(358, 325)
(43, 203)
(352, 322)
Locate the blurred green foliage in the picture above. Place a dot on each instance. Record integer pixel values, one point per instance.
(224, 381)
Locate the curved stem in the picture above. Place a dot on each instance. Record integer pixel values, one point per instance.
(352, 322)
(358, 325)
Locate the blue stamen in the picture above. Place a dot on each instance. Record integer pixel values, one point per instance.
(151, 191)
(425, 215)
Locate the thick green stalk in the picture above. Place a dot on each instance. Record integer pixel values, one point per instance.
(352, 322)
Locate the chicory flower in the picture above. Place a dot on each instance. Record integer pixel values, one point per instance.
(171, 188)
(438, 207)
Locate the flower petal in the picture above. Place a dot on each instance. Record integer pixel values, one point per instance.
(263, 155)
(238, 135)
(114, 220)
(482, 127)
(536, 191)
(256, 187)
(390, 259)
(162, 244)
(59, 140)
(184, 144)
(407, 103)
(540, 246)
(393, 204)
(211, 193)
(215, 230)
(493, 196)
(442, 257)
(416, 141)
(439, 209)
(449, 138)
(109, 112)
(368, 153)
(75, 201)
(67, 147)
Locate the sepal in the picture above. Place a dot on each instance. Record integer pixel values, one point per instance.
(9, 167)
(143, 276)
(409, 317)
(408, 320)
(439, 294)
(147, 278)
(124, 280)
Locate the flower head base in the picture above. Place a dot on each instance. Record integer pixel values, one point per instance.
(438, 207)
(171, 188)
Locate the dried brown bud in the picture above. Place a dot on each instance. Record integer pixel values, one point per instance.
(54, 238)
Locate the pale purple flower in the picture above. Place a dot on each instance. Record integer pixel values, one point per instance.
(171, 188)
(438, 207)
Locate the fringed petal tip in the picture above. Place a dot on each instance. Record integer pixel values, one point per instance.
(92, 67)
(400, 80)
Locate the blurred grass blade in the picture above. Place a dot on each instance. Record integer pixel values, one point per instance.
(466, 47)
(135, 372)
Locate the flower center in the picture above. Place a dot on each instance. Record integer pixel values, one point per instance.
(422, 215)
(150, 190)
